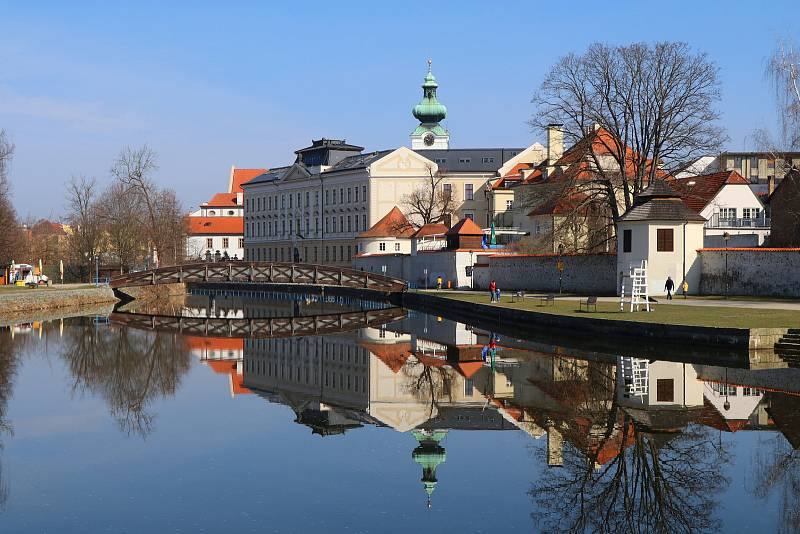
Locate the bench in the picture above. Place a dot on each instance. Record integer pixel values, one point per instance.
(547, 299)
(518, 295)
(590, 301)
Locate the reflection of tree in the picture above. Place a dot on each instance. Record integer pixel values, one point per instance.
(128, 368)
(650, 485)
(429, 383)
(8, 368)
(777, 469)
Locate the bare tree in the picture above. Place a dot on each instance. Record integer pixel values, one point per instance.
(429, 202)
(85, 243)
(783, 70)
(10, 236)
(121, 217)
(655, 104)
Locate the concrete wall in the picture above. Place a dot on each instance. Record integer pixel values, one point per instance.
(751, 271)
(586, 274)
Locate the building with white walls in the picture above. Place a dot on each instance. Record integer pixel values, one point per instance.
(660, 229)
(729, 205)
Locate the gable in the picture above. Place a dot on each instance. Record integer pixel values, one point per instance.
(402, 162)
(295, 172)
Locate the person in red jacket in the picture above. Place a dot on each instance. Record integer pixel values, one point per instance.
(492, 290)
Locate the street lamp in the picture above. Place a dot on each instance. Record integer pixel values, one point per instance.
(487, 191)
(560, 266)
(726, 236)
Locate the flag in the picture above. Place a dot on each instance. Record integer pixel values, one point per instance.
(494, 237)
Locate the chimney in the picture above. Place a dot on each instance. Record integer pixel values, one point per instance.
(555, 143)
(770, 185)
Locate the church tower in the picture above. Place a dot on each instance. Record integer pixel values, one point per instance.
(429, 112)
(429, 454)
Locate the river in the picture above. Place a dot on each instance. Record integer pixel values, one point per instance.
(290, 413)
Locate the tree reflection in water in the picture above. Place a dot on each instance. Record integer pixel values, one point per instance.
(617, 475)
(429, 384)
(776, 461)
(128, 368)
(8, 368)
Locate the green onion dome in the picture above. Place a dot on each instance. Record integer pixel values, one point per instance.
(429, 110)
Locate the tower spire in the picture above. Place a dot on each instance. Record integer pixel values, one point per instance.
(429, 112)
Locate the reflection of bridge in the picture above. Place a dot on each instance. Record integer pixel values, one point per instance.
(263, 327)
(261, 272)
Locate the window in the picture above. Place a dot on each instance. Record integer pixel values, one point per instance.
(364, 221)
(468, 193)
(333, 219)
(209, 242)
(627, 238)
(212, 212)
(241, 243)
(509, 204)
(727, 213)
(440, 161)
(470, 216)
(397, 247)
(270, 202)
(665, 390)
(464, 160)
(488, 160)
(349, 223)
(664, 240)
(308, 198)
(349, 195)
(382, 246)
(751, 213)
(327, 197)
(754, 169)
(355, 189)
(364, 192)
(468, 387)
(447, 189)
(341, 196)
(737, 163)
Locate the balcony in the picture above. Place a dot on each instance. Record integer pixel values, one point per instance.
(761, 222)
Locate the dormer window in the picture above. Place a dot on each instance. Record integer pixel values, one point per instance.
(212, 212)
(231, 212)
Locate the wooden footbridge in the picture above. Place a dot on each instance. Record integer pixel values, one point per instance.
(261, 272)
(260, 327)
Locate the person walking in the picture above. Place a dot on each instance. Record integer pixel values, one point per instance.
(438, 282)
(497, 294)
(669, 287)
(492, 290)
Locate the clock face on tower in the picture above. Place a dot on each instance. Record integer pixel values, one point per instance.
(428, 139)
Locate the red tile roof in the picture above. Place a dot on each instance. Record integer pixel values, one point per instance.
(240, 176)
(45, 227)
(216, 226)
(465, 226)
(222, 200)
(393, 224)
(394, 355)
(214, 343)
(705, 188)
(560, 205)
(431, 229)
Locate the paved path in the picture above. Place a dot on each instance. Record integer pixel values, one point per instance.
(677, 301)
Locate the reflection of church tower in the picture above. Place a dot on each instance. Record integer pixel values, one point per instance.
(429, 112)
(429, 454)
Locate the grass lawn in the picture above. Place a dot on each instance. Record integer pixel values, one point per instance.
(716, 316)
(8, 290)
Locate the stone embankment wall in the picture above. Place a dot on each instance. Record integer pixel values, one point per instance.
(584, 274)
(27, 302)
(154, 292)
(751, 271)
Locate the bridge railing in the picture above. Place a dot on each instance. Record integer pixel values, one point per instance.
(261, 272)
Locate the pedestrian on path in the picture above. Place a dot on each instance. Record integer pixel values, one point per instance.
(669, 287)
(685, 288)
(497, 294)
(492, 290)
(438, 282)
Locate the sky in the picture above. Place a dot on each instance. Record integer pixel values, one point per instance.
(208, 85)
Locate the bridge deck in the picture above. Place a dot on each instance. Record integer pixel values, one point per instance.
(261, 272)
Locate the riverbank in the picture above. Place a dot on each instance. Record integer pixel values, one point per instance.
(668, 326)
(19, 304)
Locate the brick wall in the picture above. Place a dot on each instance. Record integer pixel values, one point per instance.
(751, 271)
(584, 274)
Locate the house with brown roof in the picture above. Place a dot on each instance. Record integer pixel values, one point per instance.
(785, 208)
(562, 203)
(729, 205)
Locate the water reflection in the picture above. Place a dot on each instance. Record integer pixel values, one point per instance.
(129, 369)
(622, 444)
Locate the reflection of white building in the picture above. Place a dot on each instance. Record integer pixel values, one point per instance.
(659, 384)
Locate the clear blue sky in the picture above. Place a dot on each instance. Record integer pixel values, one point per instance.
(209, 85)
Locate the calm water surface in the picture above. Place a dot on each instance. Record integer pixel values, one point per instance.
(146, 424)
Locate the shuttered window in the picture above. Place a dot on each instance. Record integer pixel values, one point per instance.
(665, 390)
(627, 237)
(664, 240)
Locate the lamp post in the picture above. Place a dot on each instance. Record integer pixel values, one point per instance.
(560, 266)
(726, 236)
(487, 191)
